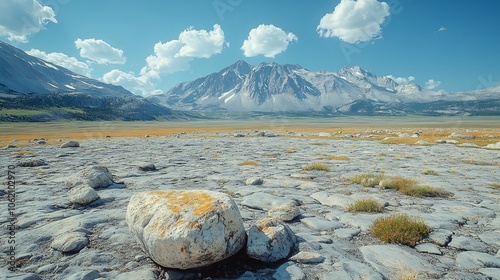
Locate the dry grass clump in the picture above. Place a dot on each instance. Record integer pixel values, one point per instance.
(411, 187)
(23, 153)
(249, 162)
(367, 180)
(406, 186)
(478, 162)
(495, 186)
(399, 229)
(340, 157)
(317, 167)
(319, 143)
(430, 172)
(271, 155)
(368, 205)
(291, 151)
(424, 191)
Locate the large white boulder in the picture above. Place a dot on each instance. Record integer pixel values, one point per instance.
(186, 229)
(92, 176)
(270, 240)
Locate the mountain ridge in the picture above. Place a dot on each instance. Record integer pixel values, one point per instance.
(32, 89)
(275, 88)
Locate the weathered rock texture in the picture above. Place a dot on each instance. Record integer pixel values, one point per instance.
(186, 229)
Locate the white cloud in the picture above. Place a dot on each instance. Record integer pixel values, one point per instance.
(63, 60)
(175, 55)
(432, 84)
(99, 51)
(402, 80)
(267, 40)
(355, 21)
(138, 85)
(21, 18)
(441, 29)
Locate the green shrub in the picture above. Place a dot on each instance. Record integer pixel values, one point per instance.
(369, 205)
(316, 166)
(399, 229)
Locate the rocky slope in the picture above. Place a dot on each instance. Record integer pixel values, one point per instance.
(259, 173)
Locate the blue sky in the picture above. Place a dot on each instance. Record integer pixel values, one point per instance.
(149, 46)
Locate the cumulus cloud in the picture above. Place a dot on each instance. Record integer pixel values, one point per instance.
(63, 60)
(175, 55)
(402, 80)
(99, 51)
(432, 84)
(21, 18)
(137, 85)
(355, 21)
(267, 40)
(441, 29)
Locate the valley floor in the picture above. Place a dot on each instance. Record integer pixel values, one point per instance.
(464, 242)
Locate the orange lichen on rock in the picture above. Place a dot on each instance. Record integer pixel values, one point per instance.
(178, 201)
(265, 225)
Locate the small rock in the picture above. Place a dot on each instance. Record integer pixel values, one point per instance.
(256, 181)
(143, 274)
(467, 244)
(440, 237)
(324, 134)
(440, 141)
(493, 273)
(422, 143)
(147, 167)
(289, 271)
(23, 276)
(239, 135)
(10, 146)
(93, 176)
(146, 136)
(82, 195)
(451, 142)
(261, 134)
(307, 257)
(475, 260)
(495, 146)
(32, 163)
(41, 142)
(415, 135)
(70, 242)
(84, 275)
(285, 212)
(348, 136)
(269, 240)
(186, 229)
(428, 248)
(70, 144)
(347, 233)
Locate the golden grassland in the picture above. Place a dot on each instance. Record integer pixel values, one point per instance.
(486, 131)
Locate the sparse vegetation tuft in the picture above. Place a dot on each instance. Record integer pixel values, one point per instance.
(495, 186)
(430, 172)
(340, 157)
(319, 143)
(23, 153)
(478, 162)
(399, 229)
(249, 162)
(369, 205)
(317, 167)
(291, 151)
(367, 180)
(406, 186)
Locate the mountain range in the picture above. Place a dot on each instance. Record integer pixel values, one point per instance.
(275, 88)
(32, 89)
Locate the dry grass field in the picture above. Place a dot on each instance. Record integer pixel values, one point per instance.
(486, 130)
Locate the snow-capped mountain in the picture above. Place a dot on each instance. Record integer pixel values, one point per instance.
(22, 74)
(30, 83)
(271, 87)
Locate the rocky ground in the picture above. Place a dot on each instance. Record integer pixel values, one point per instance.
(259, 173)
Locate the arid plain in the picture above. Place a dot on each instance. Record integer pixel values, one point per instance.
(449, 169)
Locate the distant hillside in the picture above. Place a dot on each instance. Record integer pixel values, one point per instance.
(32, 89)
